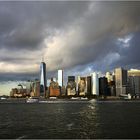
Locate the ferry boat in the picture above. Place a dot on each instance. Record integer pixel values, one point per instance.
(75, 98)
(84, 98)
(125, 97)
(3, 98)
(32, 100)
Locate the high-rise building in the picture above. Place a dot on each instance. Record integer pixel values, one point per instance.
(48, 82)
(43, 79)
(89, 85)
(71, 86)
(71, 78)
(121, 81)
(60, 77)
(82, 86)
(133, 72)
(109, 76)
(103, 86)
(95, 84)
(112, 88)
(28, 87)
(134, 81)
(54, 89)
(35, 88)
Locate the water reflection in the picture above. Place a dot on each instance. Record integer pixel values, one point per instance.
(70, 120)
(88, 127)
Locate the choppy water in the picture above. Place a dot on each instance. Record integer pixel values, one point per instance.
(72, 120)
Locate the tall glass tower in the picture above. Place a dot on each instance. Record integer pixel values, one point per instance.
(95, 84)
(60, 77)
(43, 79)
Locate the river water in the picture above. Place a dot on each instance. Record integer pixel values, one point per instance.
(101, 119)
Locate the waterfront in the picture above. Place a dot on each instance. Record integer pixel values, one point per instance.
(101, 119)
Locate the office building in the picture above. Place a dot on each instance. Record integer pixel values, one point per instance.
(71, 78)
(109, 76)
(103, 87)
(94, 84)
(48, 82)
(133, 72)
(43, 79)
(28, 87)
(112, 88)
(54, 89)
(35, 88)
(134, 81)
(60, 77)
(63, 91)
(19, 92)
(121, 81)
(71, 86)
(82, 86)
(89, 85)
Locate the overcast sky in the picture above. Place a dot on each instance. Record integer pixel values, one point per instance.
(79, 37)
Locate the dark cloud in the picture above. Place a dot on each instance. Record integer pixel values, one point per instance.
(75, 36)
(24, 25)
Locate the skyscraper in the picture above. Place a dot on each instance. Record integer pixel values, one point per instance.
(134, 81)
(60, 77)
(121, 81)
(54, 89)
(89, 85)
(71, 86)
(95, 84)
(43, 79)
(103, 86)
(71, 78)
(109, 76)
(82, 86)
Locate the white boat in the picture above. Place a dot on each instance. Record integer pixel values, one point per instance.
(3, 98)
(54, 98)
(75, 98)
(126, 97)
(32, 100)
(82, 98)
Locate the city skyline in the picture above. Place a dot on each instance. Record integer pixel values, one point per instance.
(69, 69)
(94, 76)
(80, 37)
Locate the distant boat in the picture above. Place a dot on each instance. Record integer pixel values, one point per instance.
(3, 98)
(82, 98)
(75, 98)
(125, 96)
(54, 98)
(32, 100)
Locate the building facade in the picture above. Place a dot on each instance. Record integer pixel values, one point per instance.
(54, 89)
(121, 81)
(43, 79)
(103, 86)
(89, 85)
(71, 86)
(82, 86)
(94, 84)
(134, 81)
(60, 77)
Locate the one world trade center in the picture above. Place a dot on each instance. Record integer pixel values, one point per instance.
(43, 79)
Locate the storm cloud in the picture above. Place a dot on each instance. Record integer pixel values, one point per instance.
(79, 37)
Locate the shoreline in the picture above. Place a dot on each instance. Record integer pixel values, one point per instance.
(63, 100)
